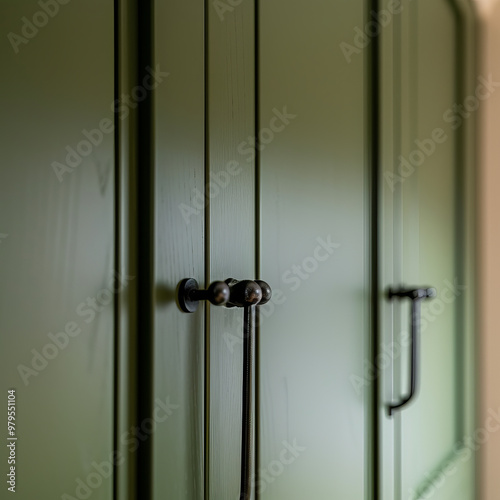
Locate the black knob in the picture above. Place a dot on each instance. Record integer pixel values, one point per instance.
(267, 293)
(189, 294)
(217, 293)
(243, 293)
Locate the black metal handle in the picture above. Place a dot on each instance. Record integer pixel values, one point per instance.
(246, 405)
(189, 294)
(234, 293)
(416, 295)
(247, 294)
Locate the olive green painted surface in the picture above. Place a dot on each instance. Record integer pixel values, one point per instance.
(179, 249)
(59, 246)
(189, 194)
(314, 194)
(429, 229)
(425, 218)
(231, 184)
(126, 221)
(432, 428)
(389, 264)
(315, 371)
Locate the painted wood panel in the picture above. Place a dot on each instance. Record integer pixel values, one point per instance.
(57, 245)
(426, 224)
(433, 427)
(315, 252)
(179, 156)
(231, 185)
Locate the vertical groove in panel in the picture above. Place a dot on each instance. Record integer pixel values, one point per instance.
(467, 37)
(116, 307)
(145, 216)
(117, 259)
(461, 208)
(125, 39)
(398, 244)
(374, 142)
(207, 259)
(385, 261)
(257, 247)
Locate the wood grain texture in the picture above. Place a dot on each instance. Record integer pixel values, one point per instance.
(60, 245)
(126, 223)
(179, 252)
(232, 228)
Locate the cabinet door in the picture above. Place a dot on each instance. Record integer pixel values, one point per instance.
(57, 246)
(428, 446)
(261, 145)
(205, 196)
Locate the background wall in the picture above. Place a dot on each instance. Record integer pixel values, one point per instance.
(489, 247)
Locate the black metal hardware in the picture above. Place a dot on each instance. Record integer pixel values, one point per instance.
(416, 295)
(243, 293)
(233, 293)
(246, 406)
(247, 294)
(189, 294)
(266, 292)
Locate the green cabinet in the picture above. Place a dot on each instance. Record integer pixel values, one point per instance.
(317, 146)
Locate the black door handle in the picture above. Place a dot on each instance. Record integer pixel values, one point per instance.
(416, 295)
(247, 294)
(234, 293)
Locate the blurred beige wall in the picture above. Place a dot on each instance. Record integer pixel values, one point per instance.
(489, 247)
